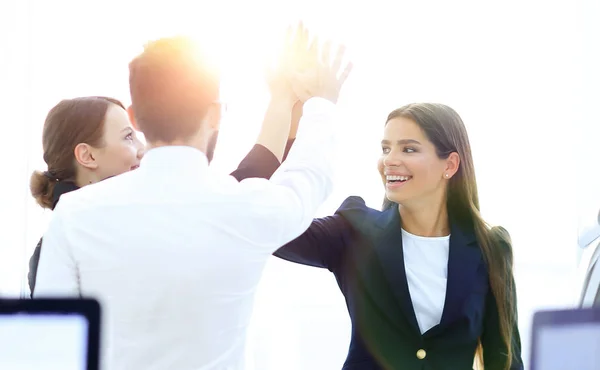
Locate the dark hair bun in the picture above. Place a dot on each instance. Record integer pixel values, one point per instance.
(42, 188)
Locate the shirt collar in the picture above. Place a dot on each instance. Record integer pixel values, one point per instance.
(62, 187)
(174, 157)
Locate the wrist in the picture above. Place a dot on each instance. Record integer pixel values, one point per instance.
(282, 101)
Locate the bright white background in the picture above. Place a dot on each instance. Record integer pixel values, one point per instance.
(515, 71)
(588, 147)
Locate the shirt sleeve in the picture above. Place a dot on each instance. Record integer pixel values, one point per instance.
(320, 245)
(57, 272)
(259, 162)
(284, 207)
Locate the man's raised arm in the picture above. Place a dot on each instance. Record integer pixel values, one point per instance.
(284, 207)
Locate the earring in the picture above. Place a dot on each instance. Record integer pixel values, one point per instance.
(447, 175)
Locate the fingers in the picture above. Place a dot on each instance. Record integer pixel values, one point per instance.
(312, 57)
(305, 36)
(345, 73)
(325, 53)
(290, 40)
(301, 40)
(338, 58)
(289, 35)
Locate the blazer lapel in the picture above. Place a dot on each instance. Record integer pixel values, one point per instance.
(390, 256)
(463, 262)
(380, 263)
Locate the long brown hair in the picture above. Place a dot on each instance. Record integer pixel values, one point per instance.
(446, 130)
(69, 123)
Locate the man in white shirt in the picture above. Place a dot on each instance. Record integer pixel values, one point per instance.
(172, 250)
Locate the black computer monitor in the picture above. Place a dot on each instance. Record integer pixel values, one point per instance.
(49, 334)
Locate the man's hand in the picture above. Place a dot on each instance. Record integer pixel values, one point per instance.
(291, 58)
(321, 78)
(277, 124)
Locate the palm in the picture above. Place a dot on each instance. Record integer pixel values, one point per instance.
(320, 78)
(292, 56)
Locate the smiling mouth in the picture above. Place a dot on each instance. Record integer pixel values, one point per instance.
(134, 167)
(397, 179)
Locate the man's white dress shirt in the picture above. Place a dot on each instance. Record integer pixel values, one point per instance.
(174, 251)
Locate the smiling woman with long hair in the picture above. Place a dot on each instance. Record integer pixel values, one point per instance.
(427, 282)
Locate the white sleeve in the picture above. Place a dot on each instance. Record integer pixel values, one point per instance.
(57, 272)
(284, 208)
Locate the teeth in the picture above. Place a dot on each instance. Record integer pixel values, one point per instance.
(397, 178)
